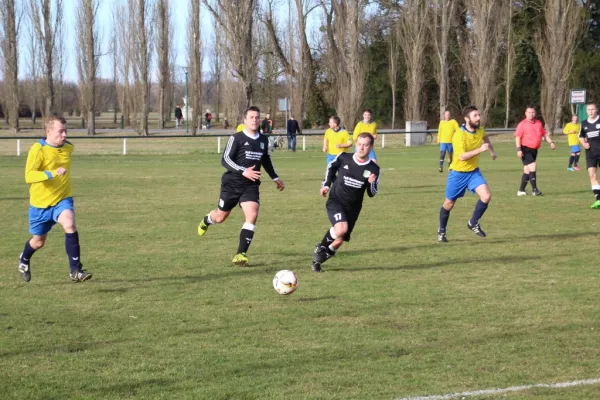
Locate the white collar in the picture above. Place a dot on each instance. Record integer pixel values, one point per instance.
(594, 121)
(358, 162)
(256, 135)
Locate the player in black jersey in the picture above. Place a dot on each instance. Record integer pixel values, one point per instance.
(244, 154)
(347, 178)
(589, 137)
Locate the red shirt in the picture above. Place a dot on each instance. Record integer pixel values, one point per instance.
(531, 133)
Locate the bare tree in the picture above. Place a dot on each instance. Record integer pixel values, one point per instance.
(413, 38)
(122, 57)
(164, 39)
(59, 69)
(555, 45)
(33, 67)
(236, 19)
(510, 64)
(346, 60)
(442, 13)
(481, 35)
(195, 65)
(217, 68)
(142, 58)
(46, 22)
(394, 60)
(88, 53)
(9, 34)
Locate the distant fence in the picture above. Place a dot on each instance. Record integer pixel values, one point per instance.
(310, 140)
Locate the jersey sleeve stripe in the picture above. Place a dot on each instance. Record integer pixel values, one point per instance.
(227, 158)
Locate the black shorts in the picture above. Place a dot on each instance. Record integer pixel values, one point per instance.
(592, 160)
(529, 155)
(232, 194)
(336, 212)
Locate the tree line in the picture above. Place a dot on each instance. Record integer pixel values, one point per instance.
(403, 59)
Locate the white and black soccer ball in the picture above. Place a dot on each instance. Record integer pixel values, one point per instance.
(285, 282)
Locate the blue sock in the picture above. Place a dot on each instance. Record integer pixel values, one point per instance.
(480, 208)
(27, 253)
(73, 251)
(444, 216)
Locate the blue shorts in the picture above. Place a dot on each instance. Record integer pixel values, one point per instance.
(446, 147)
(459, 182)
(575, 149)
(41, 220)
(330, 158)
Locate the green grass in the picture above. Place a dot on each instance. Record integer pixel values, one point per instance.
(395, 314)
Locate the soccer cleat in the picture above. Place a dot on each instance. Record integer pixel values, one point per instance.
(240, 259)
(570, 169)
(576, 168)
(80, 275)
(476, 228)
(521, 193)
(24, 269)
(316, 266)
(596, 205)
(536, 192)
(441, 169)
(442, 237)
(202, 228)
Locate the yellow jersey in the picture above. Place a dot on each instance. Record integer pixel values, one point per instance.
(333, 138)
(463, 142)
(363, 127)
(573, 137)
(240, 128)
(47, 188)
(446, 130)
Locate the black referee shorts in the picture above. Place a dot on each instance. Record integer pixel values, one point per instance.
(529, 155)
(336, 212)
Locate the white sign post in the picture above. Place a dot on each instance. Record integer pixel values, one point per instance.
(284, 105)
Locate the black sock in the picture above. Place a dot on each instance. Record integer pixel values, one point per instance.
(480, 208)
(576, 159)
(571, 159)
(533, 180)
(206, 220)
(246, 236)
(442, 154)
(27, 253)
(449, 159)
(524, 180)
(73, 250)
(596, 191)
(444, 216)
(327, 239)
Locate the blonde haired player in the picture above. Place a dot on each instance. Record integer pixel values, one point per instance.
(48, 171)
(572, 130)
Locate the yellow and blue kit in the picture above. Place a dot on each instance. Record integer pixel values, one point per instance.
(465, 174)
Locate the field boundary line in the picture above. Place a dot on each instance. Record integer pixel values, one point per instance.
(559, 385)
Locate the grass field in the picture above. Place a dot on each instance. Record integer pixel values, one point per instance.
(395, 314)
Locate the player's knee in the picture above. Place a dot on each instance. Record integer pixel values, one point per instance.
(37, 242)
(217, 218)
(486, 197)
(448, 205)
(340, 229)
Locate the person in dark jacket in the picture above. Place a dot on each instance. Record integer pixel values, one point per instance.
(178, 116)
(292, 128)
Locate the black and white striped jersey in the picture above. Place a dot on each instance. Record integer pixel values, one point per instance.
(348, 179)
(244, 151)
(590, 130)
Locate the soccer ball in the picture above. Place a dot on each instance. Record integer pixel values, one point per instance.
(285, 282)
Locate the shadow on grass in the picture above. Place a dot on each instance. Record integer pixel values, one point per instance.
(444, 263)
(131, 388)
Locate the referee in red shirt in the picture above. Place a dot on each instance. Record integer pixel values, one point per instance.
(528, 139)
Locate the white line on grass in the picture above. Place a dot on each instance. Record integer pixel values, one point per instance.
(559, 385)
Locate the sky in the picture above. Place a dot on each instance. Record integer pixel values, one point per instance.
(179, 19)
